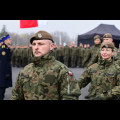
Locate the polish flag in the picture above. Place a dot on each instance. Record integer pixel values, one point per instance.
(32, 23)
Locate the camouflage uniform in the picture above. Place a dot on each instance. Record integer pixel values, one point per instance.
(73, 54)
(25, 57)
(105, 80)
(46, 79)
(14, 57)
(90, 54)
(30, 54)
(66, 55)
(80, 56)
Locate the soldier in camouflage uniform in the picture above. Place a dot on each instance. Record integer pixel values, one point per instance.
(30, 54)
(66, 54)
(73, 54)
(103, 75)
(90, 53)
(45, 78)
(14, 56)
(80, 55)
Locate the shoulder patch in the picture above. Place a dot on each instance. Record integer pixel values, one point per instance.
(70, 73)
(3, 46)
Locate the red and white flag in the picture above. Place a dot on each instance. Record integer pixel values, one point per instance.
(32, 23)
(28, 23)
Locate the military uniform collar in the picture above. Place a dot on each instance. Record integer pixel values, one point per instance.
(105, 62)
(40, 61)
(98, 45)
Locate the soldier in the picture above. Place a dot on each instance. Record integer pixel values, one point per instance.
(103, 75)
(24, 56)
(30, 54)
(73, 54)
(66, 54)
(14, 63)
(84, 54)
(90, 53)
(5, 66)
(119, 51)
(45, 78)
(80, 55)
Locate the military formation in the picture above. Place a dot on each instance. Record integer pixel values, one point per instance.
(71, 55)
(21, 55)
(46, 74)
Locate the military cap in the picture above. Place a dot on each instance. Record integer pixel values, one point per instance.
(5, 38)
(96, 37)
(107, 35)
(107, 45)
(41, 35)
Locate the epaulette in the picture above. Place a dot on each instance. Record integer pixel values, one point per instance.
(3, 46)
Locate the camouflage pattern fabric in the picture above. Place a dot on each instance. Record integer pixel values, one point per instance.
(46, 79)
(105, 80)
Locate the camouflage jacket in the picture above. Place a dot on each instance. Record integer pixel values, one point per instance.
(46, 79)
(105, 80)
(66, 51)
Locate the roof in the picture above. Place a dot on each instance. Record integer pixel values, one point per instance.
(101, 30)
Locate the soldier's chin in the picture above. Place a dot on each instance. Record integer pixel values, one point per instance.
(37, 55)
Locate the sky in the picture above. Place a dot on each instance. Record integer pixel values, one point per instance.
(71, 27)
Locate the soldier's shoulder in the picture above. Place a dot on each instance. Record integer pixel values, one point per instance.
(64, 69)
(93, 66)
(3, 47)
(27, 68)
(117, 66)
(61, 65)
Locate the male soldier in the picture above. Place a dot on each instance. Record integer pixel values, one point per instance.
(66, 54)
(73, 54)
(30, 55)
(45, 78)
(5, 66)
(93, 50)
(80, 55)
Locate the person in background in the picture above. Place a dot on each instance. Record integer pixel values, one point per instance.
(5, 66)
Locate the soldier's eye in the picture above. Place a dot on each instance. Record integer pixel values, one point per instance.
(33, 44)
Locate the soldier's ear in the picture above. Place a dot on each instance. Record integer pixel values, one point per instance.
(52, 46)
(114, 52)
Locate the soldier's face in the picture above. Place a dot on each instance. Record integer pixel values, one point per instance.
(97, 41)
(107, 40)
(107, 53)
(8, 41)
(42, 47)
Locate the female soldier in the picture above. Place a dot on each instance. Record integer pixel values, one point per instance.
(104, 76)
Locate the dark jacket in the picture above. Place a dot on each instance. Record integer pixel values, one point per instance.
(5, 67)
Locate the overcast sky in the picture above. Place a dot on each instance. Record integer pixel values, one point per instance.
(71, 27)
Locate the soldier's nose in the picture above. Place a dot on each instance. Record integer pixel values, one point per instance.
(36, 46)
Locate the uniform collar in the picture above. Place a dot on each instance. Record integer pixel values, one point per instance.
(105, 62)
(40, 61)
